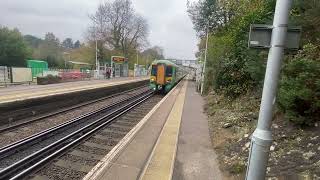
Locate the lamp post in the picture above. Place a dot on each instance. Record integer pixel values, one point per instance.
(137, 57)
(205, 60)
(96, 42)
(262, 136)
(97, 62)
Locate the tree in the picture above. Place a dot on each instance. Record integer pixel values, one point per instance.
(67, 43)
(119, 27)
(32, 41)
(216, 14)
(77, 44)
(154, 53)
(50, 51)
(306, 13)
(13, 50)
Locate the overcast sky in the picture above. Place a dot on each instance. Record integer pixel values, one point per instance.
(170, 26)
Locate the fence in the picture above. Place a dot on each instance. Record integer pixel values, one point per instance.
(64, 74)
(140, 70)
(4, 76)
(20, 75)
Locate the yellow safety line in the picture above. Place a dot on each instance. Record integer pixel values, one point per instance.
(22, 95)
(161, 162)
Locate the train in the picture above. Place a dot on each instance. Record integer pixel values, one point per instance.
(165, 75)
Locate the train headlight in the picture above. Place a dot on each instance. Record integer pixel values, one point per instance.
(168, 80)
(152, 80)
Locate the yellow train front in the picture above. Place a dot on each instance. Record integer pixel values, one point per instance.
(165, 75)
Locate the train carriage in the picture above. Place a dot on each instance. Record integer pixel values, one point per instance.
(165, 75)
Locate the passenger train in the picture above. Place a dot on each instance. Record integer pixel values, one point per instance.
(165, 75)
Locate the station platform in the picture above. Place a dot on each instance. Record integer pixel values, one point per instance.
(171, 142)
(24, 92)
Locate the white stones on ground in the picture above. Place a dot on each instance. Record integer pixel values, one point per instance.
(246, 135)
(309, 145)
(314, 138)
(268, 169)
(298, 139)
(319, 148)
(275, 126)
(283, 136)
(272, 148)
(247, 145)
(308, 155)
(316, 124)
(227, 125)
(273, 178)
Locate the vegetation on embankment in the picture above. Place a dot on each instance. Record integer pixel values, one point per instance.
(234, 79)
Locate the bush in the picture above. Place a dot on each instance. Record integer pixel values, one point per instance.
(235, 68)
(299, 93)
(50, 79)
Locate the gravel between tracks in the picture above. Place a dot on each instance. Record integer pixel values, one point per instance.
(35, 127)
(111, 136)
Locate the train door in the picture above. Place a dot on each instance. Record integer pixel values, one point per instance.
(160, 74)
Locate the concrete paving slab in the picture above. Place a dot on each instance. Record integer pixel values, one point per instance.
(161, 161)
(195, 156)
(122, 172)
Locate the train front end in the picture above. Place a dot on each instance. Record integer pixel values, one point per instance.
(162, 76)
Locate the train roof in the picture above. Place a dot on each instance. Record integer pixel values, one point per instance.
(164, 62)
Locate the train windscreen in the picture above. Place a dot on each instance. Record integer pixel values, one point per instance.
(169, 71)
(154, 70)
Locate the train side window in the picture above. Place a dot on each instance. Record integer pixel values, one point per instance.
(154, 70)
(169, 71)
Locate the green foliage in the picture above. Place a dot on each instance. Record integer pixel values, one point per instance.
(13, 50)
(299, 94)
(306, 13)
(50, 50)
(32, 41)
(232, 68)
(67, 43)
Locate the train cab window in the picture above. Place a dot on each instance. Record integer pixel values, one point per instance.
(154, 70)
(169, 71)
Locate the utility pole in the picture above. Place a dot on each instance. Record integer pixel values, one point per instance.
(205, 60)
(262, 136)
(97, 63)
(137, 58)
(65, 60)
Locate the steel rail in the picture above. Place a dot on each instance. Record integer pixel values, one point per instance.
(16, 146)
(47, 153)
(65, 110)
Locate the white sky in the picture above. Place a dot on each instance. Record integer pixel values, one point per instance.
(170, 26)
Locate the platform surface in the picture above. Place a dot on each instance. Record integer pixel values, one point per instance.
(195, 157)
(174, 143)
(20, 92)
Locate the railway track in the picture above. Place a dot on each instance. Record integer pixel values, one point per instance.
(19, 159)
(64, 110)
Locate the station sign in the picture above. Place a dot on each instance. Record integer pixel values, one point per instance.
(260, 37)
(118, 59)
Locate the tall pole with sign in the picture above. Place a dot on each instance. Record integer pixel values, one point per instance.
(205, 60)
(262, 136)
